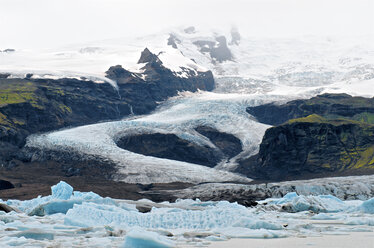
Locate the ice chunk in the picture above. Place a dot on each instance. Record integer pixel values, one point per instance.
(86, 195)
(324, 216)
(240, 232)
(62, 200)
(257, 224)
(62, 191)
(287, 198)
(54, 207)
(360, 221)
(368, 206)
(36, 234)
(292, 202)
(139, 238)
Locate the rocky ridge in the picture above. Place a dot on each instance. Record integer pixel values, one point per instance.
(340, 140)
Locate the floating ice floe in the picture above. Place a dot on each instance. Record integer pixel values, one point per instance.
(140, 238)
(73, 218)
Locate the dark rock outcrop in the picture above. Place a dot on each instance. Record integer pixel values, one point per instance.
(156, 83)
(30, 106)
(327, 134)
(190, 30)
(5, 208)
(4, 75)
(8, 50)
(71, 163)
(170, 146)
(173, 40)
(235, 36)
(227, 143)
(312, 145)
(327, 105)
(5, 185)
(148, 57)
(218, 50)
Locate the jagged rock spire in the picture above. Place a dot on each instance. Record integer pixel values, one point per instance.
(147, 57)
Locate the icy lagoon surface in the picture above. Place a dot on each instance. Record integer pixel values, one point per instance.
(69, 218)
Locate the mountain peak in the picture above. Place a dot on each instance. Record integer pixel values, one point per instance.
(147, 56)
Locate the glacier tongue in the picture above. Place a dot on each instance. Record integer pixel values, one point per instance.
(180, 116)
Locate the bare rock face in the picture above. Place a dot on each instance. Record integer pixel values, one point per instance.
(341, 105)
(8, 50)
(156, 83)
(336, 137)
(4, 75)
(309, 147)
(190, 30)
(218, 51)
(148, 57)
(5, 185)
(171, 146)
(235, 36)
(173, 41)
(5, 208)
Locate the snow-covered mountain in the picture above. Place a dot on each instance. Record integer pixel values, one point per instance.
(261, 63)
(248, 72)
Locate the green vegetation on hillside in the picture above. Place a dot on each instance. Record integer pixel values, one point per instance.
(19, 92)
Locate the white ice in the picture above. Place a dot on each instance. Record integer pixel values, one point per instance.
(97, 221)
(140, 238)
(344, 188)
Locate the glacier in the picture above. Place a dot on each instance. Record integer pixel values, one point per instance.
(261, 71)
(89, 220)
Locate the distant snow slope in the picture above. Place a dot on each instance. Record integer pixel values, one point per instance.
(250, 72)
(298, 61)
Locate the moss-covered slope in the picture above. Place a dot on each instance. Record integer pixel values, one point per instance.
(30, 106)
(327, 105)
(339, 141)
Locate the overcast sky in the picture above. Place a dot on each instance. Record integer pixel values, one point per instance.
(47, 23)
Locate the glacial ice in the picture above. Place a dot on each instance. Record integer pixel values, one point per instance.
(180, 116)
(344, 188)
(140, 238)
(62, 191)
(292, 202)
(35, 234)
(368, 206)
(62, 199)
(110, 222)
(253, 78)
